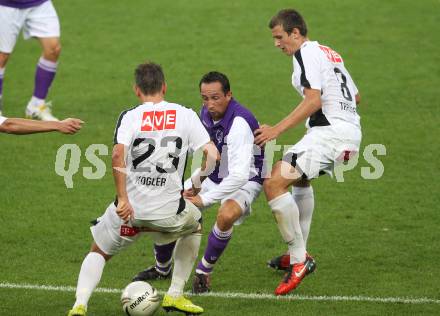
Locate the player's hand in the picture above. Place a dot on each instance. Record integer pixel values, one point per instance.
(264, 134)
(191, 192)
(70, 126)
(124, 210)
(187, 193)
(196, 200)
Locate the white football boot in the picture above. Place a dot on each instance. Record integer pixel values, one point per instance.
(41, 112)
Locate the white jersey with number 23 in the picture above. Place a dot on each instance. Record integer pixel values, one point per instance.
(158, 138)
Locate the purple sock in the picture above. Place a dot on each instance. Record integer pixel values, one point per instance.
(217, 242)
(44, 76)
(163, 254)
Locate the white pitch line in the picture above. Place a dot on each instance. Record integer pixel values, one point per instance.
(249, 296)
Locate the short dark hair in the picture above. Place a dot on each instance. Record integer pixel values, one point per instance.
(289, 19)
(215, 76)
(149, 78)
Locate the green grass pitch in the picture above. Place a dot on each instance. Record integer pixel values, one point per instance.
(371, 238)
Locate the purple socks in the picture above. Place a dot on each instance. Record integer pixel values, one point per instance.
(217, 242)
(44, 76)
(164, 254)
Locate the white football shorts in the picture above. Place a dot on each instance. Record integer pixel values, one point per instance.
(245, 196)
(322, 147)
(112, 234)
(40, 21)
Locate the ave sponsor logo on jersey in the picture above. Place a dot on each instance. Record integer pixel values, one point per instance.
(158, 120)
(333, 56)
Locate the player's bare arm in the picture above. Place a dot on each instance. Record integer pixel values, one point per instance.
(23, 126)
(124, 209)
(357, 98)
(310, 104)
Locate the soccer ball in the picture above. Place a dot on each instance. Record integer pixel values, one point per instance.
(140, 299)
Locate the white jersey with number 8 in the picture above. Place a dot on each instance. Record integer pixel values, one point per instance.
(319, 67)
(158, 138)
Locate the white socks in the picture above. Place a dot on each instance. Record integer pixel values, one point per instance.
(305, 201)
(89, 277)
(185, 255)
(2, 73)
(35, 102)
(286, 214)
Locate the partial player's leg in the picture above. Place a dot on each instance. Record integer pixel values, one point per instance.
(284, 207)
(42, 23)
(162, 269)
(107, 242)
(186, 227)
(3, 60)
(11, 22)
(286, 213)
(89, 277)
(303, 195)
(218, 239)
(37, 107)
(186, 252)
(306, 160)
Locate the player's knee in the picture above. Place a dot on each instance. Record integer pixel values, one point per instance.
(302, 183)
(57, 50)
(275, 186)
(53, 52)
(3, 59)
(270, 185)
(98, 250)
(225, 220)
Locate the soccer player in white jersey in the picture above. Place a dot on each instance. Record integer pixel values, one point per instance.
(333, 134)
(151, 145)
(23, 126)
(38, 19)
